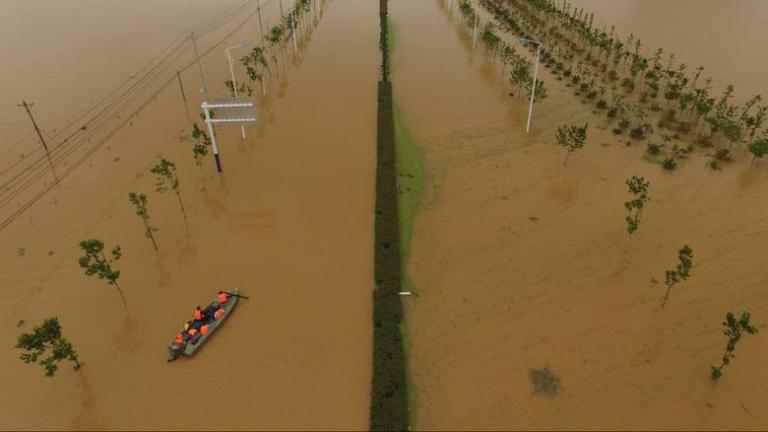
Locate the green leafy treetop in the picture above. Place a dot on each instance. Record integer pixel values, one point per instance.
(572, 138)
(733, 329)
(638, 187)
(759, 148)
(140, 202)
(168, 179)
(96, 263)
(681, 273)
(201, 144)
(47, 339)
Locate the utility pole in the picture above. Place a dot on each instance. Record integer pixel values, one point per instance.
(199, 66)
(261, 26)
(34, 123)
(183, 96)
(40, 135)
(281, 9)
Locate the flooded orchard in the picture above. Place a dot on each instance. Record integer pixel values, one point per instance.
(535, 308)
(287, 222)
(725, 38)
(592, 273)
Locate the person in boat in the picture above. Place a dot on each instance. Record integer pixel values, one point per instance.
(199, 314)
(222, 297)
(194, 324)
(177, 346)
(194, 334)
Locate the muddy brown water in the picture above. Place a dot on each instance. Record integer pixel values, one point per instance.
(289, 223)
(727, 38)
(519, 262)
(522, 263)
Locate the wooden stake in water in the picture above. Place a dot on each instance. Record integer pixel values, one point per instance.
(183, 97)
(199, 66)
(261, 26)
(40, 135)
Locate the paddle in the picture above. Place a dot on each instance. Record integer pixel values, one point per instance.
(236, 295)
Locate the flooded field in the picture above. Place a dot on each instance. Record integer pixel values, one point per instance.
(522, 263)
(288, 222)
(528, 305)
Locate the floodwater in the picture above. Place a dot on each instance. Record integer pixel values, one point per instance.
(727, 38)
(523, 263)
(288, 222)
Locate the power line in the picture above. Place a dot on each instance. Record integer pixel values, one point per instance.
(176, 53)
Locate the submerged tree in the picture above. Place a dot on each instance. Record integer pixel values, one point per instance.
(520, 74)
(541, 91)
(47, 338)
(201, 143)
(254, 60)
(681, 273)
(140, 201)
(96, 263)
(733, 329)
(168, 179)
(571, 138)
(638, 187)
(241, 88)
(759, 148)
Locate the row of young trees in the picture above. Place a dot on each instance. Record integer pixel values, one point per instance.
(167, 180)
(45, 344)
(515, 68)
(629, 86)
(273, 49)
(572, 138)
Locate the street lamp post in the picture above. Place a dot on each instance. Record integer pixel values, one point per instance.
(232, 74)
(535, 76)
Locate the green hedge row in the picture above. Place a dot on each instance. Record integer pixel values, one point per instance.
(389, 404)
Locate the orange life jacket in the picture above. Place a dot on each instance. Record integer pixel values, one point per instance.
(179, 338)
(198, 314)
(222, 298)
(192, 331)
(203, 329)
(219, 313)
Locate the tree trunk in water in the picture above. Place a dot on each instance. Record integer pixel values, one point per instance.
(122, 297)
(666, 297)
(181, 204)
(149, 233)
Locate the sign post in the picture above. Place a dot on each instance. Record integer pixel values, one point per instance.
(233, 111)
